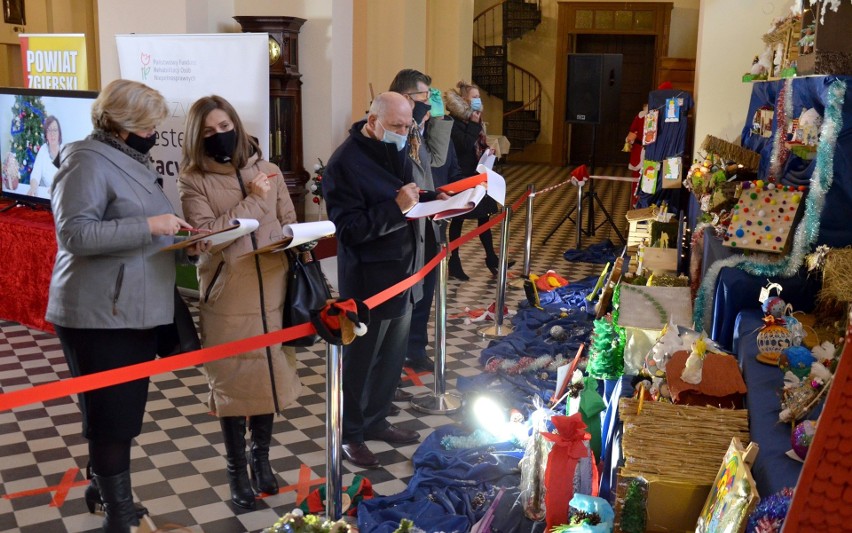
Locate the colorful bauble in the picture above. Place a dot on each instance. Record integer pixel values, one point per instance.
(774, 306)
(802, 437)
(797, 359)
(771, 340)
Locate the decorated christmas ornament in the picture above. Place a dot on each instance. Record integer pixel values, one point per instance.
(695, 363)
(796, 359)
(802, 437)
(771, 339)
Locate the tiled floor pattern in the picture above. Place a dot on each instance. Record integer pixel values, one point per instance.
(177, 462)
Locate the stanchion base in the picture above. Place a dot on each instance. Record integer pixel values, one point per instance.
(495, 332)
(442, 404)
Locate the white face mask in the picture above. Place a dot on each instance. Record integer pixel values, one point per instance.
(391, 137)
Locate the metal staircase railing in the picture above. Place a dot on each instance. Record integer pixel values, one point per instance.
(520, 90)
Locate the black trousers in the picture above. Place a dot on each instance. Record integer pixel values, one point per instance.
(418, 339)
(371, 368)
(110, 413)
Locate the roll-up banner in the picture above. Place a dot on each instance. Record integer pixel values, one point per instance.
(186, 67)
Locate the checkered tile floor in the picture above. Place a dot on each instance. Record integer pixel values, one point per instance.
(177, 462)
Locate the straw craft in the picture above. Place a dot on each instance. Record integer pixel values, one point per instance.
(678, 442)
(731, 152)
(837, 276)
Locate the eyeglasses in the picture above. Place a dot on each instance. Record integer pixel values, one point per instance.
(418, 93)
(52, 130)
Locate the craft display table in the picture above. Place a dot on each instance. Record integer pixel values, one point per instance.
(27, 249)
(772, 470)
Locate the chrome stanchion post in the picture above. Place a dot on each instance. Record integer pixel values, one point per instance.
(439, 401)
(333, 427)
(579, 213)
(529, 229)
(499, 329)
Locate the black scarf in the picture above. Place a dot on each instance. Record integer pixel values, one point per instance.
(113, 140)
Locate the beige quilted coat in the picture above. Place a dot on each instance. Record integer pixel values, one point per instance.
(229, 287)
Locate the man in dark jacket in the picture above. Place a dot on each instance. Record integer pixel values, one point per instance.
(368, 188)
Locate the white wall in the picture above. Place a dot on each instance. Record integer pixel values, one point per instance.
(325, 62)
(722, 60)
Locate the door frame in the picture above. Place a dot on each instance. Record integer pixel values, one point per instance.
(577, 18)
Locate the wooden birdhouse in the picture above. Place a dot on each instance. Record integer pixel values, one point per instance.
(825, 46)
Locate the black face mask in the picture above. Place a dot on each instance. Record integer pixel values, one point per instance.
(419, 111)
(220, 146)
(142, 145)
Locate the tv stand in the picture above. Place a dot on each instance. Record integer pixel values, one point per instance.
(20, 203)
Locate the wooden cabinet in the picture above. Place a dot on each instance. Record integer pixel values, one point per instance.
(285, 100)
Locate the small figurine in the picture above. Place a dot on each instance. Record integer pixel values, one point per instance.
(695, 362)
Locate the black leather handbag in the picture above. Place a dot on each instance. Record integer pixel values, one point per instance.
(180, 336)
(307, 290)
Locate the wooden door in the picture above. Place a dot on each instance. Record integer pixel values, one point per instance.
(637, 75)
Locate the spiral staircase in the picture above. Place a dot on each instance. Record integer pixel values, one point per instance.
(520, 90)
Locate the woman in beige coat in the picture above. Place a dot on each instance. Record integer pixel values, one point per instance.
(223, 177)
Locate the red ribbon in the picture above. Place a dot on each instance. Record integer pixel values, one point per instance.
(568, 449)
(67, 387)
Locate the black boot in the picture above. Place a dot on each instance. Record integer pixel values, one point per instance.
(455, 267)
(234, 431)
(263, 479)
(119, 511)
(93, 497)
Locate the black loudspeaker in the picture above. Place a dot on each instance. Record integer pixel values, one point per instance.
(593, 89)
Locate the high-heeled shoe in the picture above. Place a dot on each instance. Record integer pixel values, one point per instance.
(454, 268)
(493, 264)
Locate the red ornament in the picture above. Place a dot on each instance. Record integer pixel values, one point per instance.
(316, 199)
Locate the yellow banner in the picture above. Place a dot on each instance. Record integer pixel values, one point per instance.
(54, 61)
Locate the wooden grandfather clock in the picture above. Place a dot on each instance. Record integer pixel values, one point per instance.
(285, 100)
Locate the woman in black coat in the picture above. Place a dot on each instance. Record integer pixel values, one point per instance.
(469, 140)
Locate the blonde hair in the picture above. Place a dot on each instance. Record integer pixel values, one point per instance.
(463, 88)
(126, 105)
(193, 142)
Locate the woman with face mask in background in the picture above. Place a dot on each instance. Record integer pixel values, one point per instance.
(223, 176)
(465, 106)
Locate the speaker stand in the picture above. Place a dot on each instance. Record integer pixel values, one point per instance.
(591, 196)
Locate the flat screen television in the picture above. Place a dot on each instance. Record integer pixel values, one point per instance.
(34, 124)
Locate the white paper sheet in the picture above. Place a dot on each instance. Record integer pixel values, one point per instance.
(456, 205)
(496, 184)
(307, 232)
(487, 160)
(238, 228)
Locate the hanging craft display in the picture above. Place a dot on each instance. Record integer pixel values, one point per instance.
(764, 216)
(673, 109)
(761, 124)
(650, 169)
(671, 173)
(733, 495)
(649, 134)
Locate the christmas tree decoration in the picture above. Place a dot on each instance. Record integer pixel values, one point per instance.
(315, 183)
(27, 133)
(633, 509)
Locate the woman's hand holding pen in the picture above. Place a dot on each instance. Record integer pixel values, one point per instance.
(407, 197)
(167, 224)
(259, 186)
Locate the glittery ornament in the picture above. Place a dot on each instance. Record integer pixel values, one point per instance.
(802, 437)
(771, 339)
